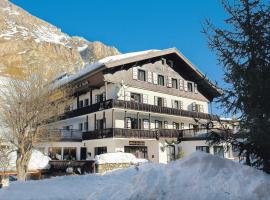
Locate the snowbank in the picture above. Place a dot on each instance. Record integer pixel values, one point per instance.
(199, 176)
(37, 161)
(118, 157)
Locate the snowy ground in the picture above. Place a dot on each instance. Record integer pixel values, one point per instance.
(199, 176)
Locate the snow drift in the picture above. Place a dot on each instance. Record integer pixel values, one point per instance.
(37, 161)
(199, 176)
(118, 157)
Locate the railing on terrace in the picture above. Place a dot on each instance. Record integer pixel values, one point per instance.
(147, 134)
(62, 135)
(136, 106)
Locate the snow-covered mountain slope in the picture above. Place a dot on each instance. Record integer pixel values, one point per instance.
(26, 41)
(199, 176)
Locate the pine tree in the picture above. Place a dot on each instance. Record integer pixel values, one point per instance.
(243, 49)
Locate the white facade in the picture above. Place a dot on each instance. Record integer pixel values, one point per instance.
(160, 90)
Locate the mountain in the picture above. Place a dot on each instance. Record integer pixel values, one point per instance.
(27, 41)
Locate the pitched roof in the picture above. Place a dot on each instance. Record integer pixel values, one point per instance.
(122, 59)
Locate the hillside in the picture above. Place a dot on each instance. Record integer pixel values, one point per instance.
(27, 41)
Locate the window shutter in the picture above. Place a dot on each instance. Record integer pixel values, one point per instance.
(164, 102)
(156, 124)
(194, 106)
(96, 98)
(155, 78)
(174, 125)
(182, 126)
(145, 124)
(200, 108)
(104, 96)
(155, 101)
(169, 81)
(149, 77)
(181, 84)
(165, 124)
(181, 105)
(195, 88)
(127, 96)
(135, 73)
(145, 98)
(185, 86)
(128, 122)
(173, 104)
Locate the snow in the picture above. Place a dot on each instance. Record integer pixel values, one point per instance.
(118, 157)
(10, 11)
(91, 67)
(198, 176)
(82, 48)
(37, 161)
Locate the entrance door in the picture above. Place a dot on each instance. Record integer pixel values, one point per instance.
(138, 151)
(83, 153)
(170, 153)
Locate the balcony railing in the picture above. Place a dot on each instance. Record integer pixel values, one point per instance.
(62, 135)
(185, 134)
(136, 106)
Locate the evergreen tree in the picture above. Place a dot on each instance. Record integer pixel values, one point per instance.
(243, 49)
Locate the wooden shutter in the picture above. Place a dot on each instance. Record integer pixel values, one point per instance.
(135, 73)
(195, 88)
(127, 96)
(181, 84)
(96, 98)
(128, 121)
(200, 108)
(155, 78)
(194, 106)
(149, 77)
(169, 81)
(164, 102)
(145, 98)
(104, 96)
(155, 100)
(165, 124)
(145, 124)
(181, 105)
(173, 104)
(182, 126)
(185, 86)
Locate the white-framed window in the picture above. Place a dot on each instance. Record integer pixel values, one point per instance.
(190, 86)
(141, 75)
(174, 83)
(161, 80)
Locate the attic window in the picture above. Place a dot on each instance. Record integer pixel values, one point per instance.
(163, 61)
(141, 75)
(170, 63)
(190, 86)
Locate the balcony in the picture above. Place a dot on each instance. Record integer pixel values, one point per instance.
(180, 135)
(136, 106)
(72, 135)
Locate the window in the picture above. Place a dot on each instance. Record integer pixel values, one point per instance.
(100, 124)
(141, 75)
(55, 153)
(190, 87)
(86, 102)
(203, 148)
(80, 126)
(138, 151)
(219, 151)
(170, 149)
(160, 80)
(133, 123)
(81, 104)
(135, 97)
(175, 125)
(177, 104)
(100, 150)
(174, 83)
(69, 153)
(100, 98)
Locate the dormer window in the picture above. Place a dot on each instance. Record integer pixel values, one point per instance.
(190, 86)
(141, 75)
(161, 80)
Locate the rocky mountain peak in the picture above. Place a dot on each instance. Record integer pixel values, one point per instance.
(27, 41)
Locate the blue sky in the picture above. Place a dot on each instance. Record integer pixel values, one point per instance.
(134, 25)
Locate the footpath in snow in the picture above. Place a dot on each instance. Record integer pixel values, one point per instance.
(199, 176)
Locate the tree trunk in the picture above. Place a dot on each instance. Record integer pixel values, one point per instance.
(22, 165)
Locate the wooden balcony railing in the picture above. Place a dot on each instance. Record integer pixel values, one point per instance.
(62, 135)
(136, 106)
(147, 134)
